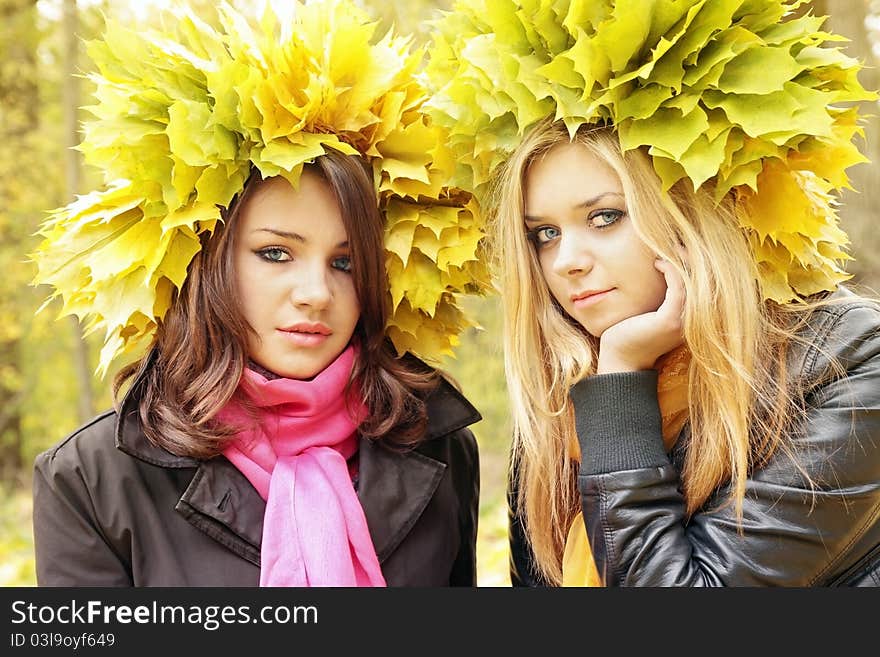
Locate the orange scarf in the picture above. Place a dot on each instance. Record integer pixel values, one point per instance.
(578, 567)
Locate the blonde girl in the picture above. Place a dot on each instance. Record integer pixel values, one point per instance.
(722, 439)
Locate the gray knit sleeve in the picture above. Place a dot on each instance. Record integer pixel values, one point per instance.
(618, 422)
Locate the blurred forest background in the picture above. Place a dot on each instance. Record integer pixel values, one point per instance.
(47, 385)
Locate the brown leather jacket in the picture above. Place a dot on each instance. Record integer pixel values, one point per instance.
(793, 534)
(111, 509)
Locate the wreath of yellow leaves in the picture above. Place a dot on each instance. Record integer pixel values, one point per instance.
(184, 112)
(739, 91)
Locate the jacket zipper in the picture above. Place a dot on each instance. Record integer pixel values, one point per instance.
(858, 566)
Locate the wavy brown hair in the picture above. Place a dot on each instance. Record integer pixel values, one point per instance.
(199, 353)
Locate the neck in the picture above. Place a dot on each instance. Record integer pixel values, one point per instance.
(259, 369)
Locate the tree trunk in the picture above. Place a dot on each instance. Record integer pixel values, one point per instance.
(85, 399)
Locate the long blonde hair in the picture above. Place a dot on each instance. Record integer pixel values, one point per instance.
(740, 399)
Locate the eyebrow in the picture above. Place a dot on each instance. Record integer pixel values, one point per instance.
(589, 203)
(296, 237)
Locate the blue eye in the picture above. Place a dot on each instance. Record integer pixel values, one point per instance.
(274, 254)
(604, 218)
(542, 235)
(342, 263)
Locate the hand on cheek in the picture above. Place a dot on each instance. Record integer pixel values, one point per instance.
(637, 342)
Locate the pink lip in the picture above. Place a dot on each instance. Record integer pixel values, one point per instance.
(589, 297)
(307, 327)
(306, 334)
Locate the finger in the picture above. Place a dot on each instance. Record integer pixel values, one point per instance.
(673, 305)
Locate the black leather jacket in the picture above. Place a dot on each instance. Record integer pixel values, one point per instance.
(792, 534)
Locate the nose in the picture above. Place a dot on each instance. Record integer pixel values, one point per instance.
(311, 287)
(574, 255)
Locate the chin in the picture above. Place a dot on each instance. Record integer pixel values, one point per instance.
(300, 368)
(597, 325)
(593, 327)
(595, 332)
(305, 372)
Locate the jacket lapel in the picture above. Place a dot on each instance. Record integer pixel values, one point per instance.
(394, 488)
(221, 502)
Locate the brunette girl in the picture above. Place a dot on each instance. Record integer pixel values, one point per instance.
(272, 432)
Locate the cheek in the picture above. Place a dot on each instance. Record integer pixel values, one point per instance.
(242, 290)
(553, 281)
(345, 300)
(654, 288)
(636, 272)
(352, 305)
(249, 310)
(243, 276)
(259, 295)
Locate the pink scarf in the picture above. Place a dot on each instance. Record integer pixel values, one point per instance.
(314, 530)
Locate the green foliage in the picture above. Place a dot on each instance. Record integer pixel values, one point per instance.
(16, 538)
(478, 367)
(479, 370)
(21, 190)
(36, 367)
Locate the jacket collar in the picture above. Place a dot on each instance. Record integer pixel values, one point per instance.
(394, 487)
(448, 410)
(394, 490)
